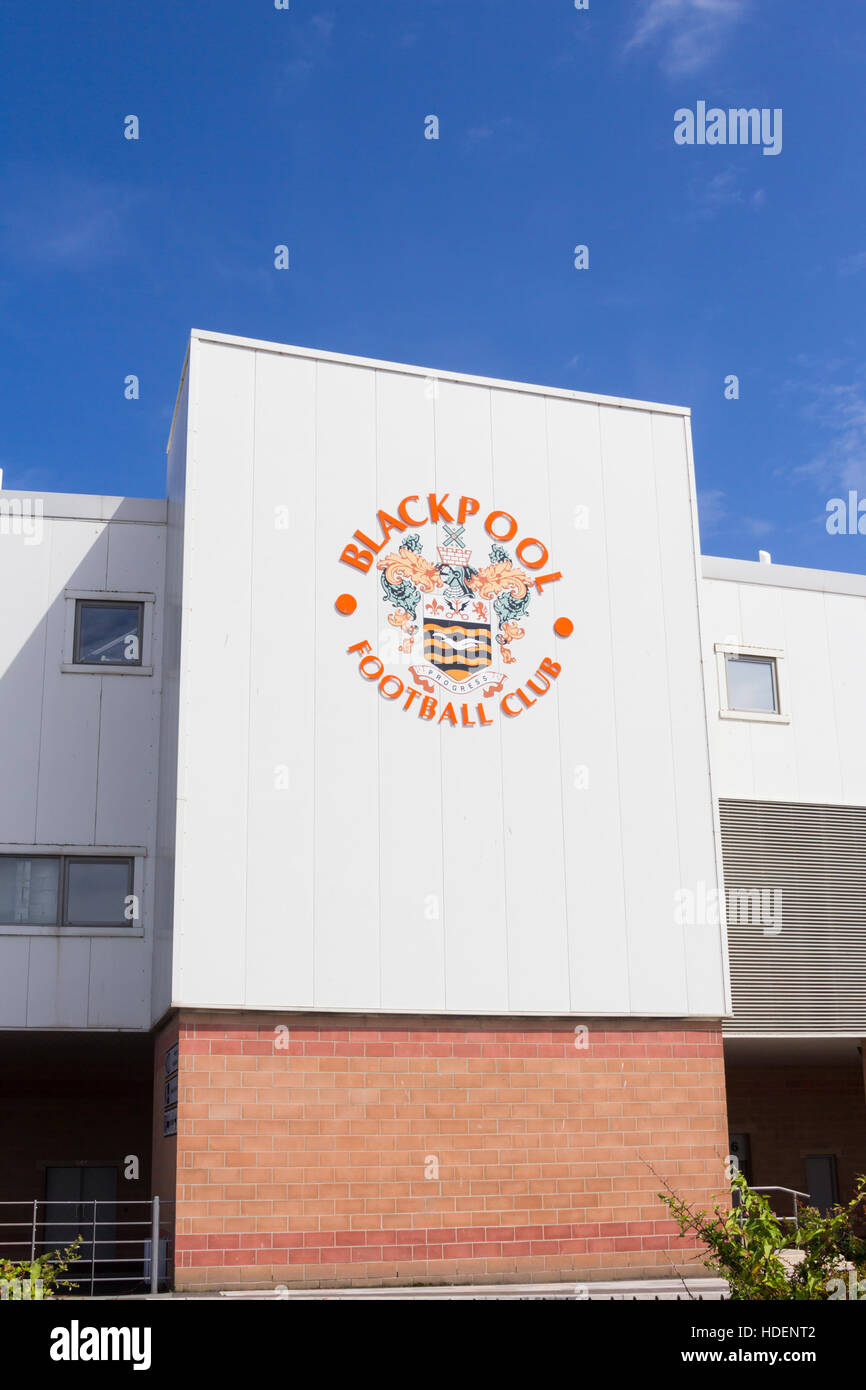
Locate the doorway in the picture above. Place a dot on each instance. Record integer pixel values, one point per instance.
(821, 1182)
(80, 1200)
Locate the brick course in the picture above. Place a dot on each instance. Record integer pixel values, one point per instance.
(366, 1150)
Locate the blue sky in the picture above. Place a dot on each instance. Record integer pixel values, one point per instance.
(306, 127)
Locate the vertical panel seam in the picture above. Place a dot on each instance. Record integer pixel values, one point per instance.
(42, 683)
(566, 923)
(379, 709)
(667, 678)
(443, 823)
(249, 680)
(315, 680)
(625, 906)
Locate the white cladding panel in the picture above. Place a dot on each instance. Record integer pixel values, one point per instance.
(78, 752)
(337, 851)
(818, 754)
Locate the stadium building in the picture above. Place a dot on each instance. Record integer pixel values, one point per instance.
(412, 852)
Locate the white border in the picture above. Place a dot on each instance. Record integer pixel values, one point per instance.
(760, 716)
(70, 667)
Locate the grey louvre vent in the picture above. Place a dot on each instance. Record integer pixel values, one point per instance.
(795, 889)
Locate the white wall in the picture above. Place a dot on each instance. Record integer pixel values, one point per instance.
(410, 866)
(77, 751)
(817, 621)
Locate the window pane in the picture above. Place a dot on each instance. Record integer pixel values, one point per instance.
(28, 890)
(95, 892)
(751, 683)
(109, 634)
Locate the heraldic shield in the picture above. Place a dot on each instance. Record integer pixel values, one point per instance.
(458, 638)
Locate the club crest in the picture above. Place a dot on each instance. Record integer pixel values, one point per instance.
(454, 619)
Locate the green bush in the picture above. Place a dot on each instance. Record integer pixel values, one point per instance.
(39, 1278)
(745, 1245)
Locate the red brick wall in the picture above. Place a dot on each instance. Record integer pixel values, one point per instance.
(789, 1112)
(305, 1164)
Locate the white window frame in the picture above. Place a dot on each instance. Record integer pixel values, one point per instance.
(70, 667)
(137, 853)
(760, 716)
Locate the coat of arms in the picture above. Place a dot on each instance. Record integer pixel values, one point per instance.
(466, 616)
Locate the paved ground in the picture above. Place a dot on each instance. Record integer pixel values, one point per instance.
(640, 1289)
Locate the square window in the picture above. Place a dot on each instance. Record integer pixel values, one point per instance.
(107, 633)
(96, 892)
(29, 890)
(752, 683)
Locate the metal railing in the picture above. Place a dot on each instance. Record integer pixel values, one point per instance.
(791, 1192)
(125, 1244)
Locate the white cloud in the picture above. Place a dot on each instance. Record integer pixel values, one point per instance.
(840, 408)
(853, 265)
(311, 43)
(66, 221)
(724, 189)
(757, 528)
(687, 34)
(712, 510)
(714, 516)
(501, 134)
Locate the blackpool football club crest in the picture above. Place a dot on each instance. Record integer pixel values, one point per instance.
(457, 615)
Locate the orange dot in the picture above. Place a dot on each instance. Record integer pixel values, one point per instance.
(563, 627)
(347, 604)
